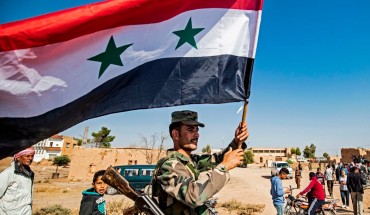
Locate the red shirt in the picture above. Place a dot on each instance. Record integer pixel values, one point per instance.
(317, 191)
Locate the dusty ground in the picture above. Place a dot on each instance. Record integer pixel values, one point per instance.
(248, 185)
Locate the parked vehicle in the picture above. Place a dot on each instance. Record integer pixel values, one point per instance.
(276, 167)
(139, 177)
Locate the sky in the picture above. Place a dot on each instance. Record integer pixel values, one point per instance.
(310, 84)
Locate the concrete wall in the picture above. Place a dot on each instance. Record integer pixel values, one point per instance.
(86, 161)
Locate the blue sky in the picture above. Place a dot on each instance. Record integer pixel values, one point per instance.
(310, 80)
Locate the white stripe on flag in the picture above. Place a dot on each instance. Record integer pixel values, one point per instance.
(44, 78)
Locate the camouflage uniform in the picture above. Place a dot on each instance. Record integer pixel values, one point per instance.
(183, 185)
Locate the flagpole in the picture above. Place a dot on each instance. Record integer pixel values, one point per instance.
(245, 110)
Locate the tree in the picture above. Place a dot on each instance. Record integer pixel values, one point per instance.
(248, 157)
(61, 161)
(292, 151)
(79, 141)
(325, 155)
(102, 138)
(298, 151)
(207, 149)
(309, 151)
(151, 144)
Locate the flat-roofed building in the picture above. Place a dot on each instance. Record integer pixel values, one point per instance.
(262, 155)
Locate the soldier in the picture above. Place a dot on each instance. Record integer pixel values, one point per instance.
(183, 182)
(298, 177)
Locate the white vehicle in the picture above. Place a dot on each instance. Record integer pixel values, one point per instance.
(276, 167)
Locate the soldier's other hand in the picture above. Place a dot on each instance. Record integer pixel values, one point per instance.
(233, 158)
(241, 134)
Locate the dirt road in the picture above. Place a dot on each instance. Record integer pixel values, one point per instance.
(252, 185)
(248, 185)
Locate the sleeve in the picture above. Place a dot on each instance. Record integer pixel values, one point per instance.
(175, 180)
(87, 206)
(349, 187)
(363, 180)
(5, 180)
(308, 188)
(279, 189)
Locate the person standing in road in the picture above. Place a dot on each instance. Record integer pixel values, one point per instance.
(300, 166)
(277, 190)
(355, 187)
(16, 185)
(338, 172)
(321, 178)
(329, 176)
(298, 176)
(343, 189)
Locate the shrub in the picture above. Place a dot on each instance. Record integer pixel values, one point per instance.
(53, 210)
(241, 208)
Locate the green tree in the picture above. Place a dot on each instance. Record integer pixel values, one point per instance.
(309, 151)
(325, 155)
(298, 151)
(61, 161)
(292, 151)
(207, 149)
(102, 138)
(248, 157)
(79, 141)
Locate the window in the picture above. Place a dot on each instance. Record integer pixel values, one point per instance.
(131, 172)
(147, 172)
(51, 144)
(67, 146)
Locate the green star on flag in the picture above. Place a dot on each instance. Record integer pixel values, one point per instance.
(187, 35)
(110, 56)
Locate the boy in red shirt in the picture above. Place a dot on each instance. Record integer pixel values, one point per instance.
(315, 195)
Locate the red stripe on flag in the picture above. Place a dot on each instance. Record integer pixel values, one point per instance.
(72, 23)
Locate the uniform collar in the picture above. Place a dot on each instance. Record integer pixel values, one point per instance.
(180, 156)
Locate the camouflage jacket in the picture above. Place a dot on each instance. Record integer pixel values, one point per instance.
(182, 184)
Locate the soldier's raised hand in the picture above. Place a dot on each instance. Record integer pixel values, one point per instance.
(241, 134)
(233, 158)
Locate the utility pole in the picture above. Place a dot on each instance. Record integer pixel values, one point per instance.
(84, 138)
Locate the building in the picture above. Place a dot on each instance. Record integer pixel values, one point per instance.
(53, 146)
(349, 154)
(263, 155)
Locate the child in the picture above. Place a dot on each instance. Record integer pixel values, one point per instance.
(93, 202)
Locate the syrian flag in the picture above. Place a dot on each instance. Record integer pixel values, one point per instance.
(62, 68)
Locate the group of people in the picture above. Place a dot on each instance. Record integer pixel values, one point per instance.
(182, 184)
(351, 179)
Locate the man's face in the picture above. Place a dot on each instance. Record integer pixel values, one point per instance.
(25, 159)
(283, 176)
(187, 137)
